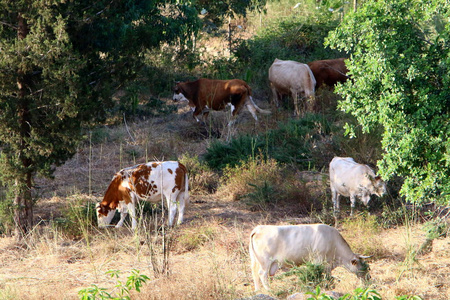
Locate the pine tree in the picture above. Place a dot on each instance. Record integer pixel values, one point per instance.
(60, 62)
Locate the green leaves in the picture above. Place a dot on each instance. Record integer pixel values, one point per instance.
(399, 52)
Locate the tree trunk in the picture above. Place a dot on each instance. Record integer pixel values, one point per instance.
(23, 202)
(355, 4)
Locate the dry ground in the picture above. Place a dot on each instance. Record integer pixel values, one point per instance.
(209, 257)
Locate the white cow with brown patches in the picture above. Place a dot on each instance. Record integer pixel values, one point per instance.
(152, 182)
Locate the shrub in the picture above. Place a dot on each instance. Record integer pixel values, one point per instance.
(121, 290)
(78, 217)
(6, 216)
(197, 236)
(294, 142)
(310, 275)
(237, 181)
(201, 178)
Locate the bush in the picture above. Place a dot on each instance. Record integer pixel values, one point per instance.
(6, 216)
(201, 178)
(294, 142)
(237, 182)
(79, 217)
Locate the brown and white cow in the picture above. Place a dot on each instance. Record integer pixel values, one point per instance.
(273, 247)
(288, 77)
(351, 179)
(205, 94)
(152, 182)
(329, 71)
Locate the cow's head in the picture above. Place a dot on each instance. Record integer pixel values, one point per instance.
(379, 186)
(359, 266)
(178, 93)
(104, 215)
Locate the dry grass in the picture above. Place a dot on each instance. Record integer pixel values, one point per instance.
(209, 258)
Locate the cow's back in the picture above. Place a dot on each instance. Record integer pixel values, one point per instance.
(297, 243)
(286, 75)
(329, 71)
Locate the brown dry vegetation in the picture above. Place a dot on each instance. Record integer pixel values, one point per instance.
(209, 257)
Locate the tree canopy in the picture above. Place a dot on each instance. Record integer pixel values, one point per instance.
(60, 63)
(400, 76)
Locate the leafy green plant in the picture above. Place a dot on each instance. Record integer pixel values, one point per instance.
(122, 290)
(310, 275)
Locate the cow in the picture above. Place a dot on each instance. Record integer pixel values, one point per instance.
(291, 78)
(205, 94)
(151, 182)
(272, 247)
(329, 71)
(351, 179)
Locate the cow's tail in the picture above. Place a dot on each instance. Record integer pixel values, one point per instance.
(186, 188)
(260, 110)
(313, 80)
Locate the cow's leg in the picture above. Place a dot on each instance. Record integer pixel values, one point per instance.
(180, 207)
(352, 200)
(171, 208)
(123, 214)
(132, 210)
(336, 208)
(256, 269)
(275, 95)
(295, 98)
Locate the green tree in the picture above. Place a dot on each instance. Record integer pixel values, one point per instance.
(60, 63)
(399, 65)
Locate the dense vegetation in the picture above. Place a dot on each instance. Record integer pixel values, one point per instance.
(72, 71)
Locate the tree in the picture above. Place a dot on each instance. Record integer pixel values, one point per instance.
(400, 69)
(60, 63)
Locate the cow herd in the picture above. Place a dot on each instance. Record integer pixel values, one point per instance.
(270, 247)
(286, 77)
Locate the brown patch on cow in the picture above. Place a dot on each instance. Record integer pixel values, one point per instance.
(170, 171)
(154, 165)
(139, 182)
(329, 71)
(115, 193)
(180, 178)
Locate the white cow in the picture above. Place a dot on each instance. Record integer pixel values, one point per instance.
(350, 179)
(272, 247)
(151, 182)
(288, 77)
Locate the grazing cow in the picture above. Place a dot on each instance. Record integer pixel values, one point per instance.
(204, 94)
(329, 71)
(292, 78)
(350, 179)
(150, 182)
(272, 247)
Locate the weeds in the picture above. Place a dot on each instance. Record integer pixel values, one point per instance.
(121, 290)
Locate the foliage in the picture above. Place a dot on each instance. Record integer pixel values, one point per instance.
(310, 275)
(238, 181)
(121, 289)
(201, 178)
(436, 228)
(61, 63)
(6, 219)
(293, 142)
(400, 70)
(262, 196)
(77, 217)
(198, 236)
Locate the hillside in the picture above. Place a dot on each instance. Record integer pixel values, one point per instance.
(209, 257)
